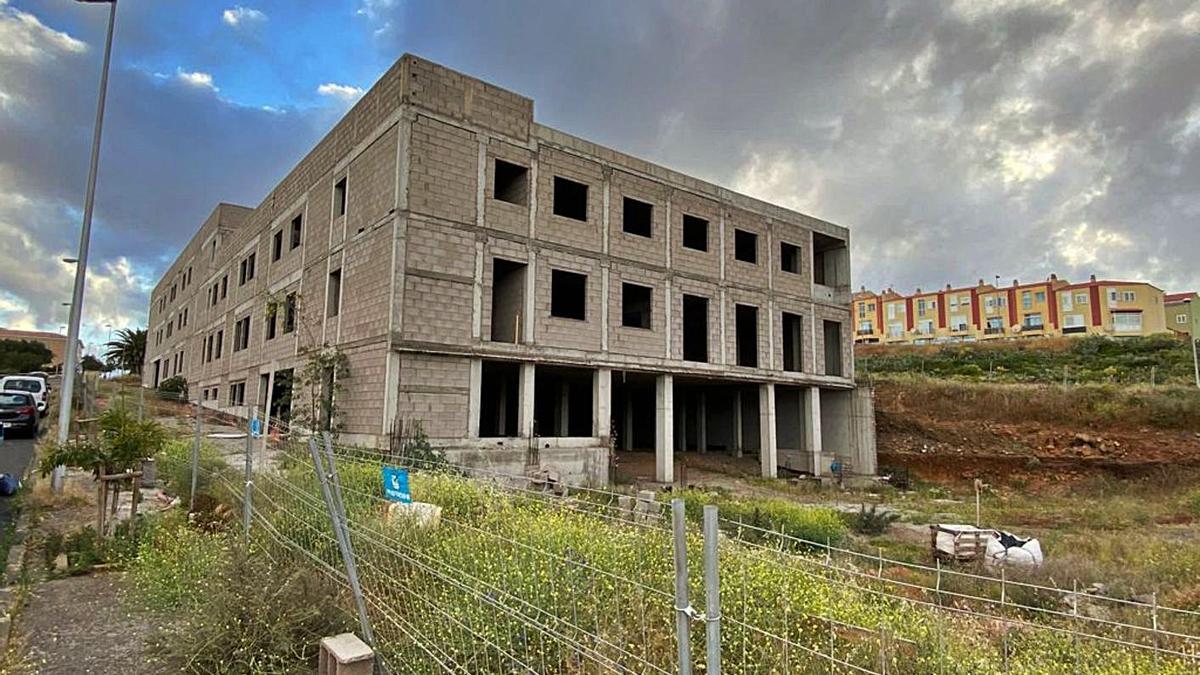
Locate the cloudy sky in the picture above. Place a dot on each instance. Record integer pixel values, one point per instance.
(957, 140)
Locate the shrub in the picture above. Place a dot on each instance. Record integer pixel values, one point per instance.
(174, 463)
(255, 614)
(871, 522)
(810, 523)
(175, 388)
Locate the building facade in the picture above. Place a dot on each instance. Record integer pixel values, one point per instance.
(1183, 313)
(526, 296)
(55, 342)
(1049, 308)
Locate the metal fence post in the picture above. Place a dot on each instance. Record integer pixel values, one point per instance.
(325, 475)
(195, 461)
(247, 506)
(712, 592)
(683, 608)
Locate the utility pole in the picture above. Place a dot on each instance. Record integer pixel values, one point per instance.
(1196, 360)
(70, 362)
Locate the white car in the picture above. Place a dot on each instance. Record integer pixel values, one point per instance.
(34, 386)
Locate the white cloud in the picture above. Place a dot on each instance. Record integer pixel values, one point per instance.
(373, 9)
(23, 37)
(345, 92)
(1084, 245)
(197, 79)
(239, 17)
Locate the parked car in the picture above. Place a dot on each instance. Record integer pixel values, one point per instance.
(18, 411)
(45, 378)
(34, 386)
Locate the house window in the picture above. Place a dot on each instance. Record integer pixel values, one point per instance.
(636, 304)
(1033, 321)
(638, 217)
(1026, 300)
(789, 257)
(1127, 322)
(297, 231)
(246, 270)
(568, 295)
(339, 198)
(745, 246)
(1081, 298)
(241, 334)
(289, 313)
(334, 294)
(1040, 296)
(218, 344)
(511, 183)
(746, 331)
(237, 394)
(277, 245)
(921, 306)
(1181, 319)
(695, 233)
(224, 286)
(272, 314)
(1128, 296)
(570, 198)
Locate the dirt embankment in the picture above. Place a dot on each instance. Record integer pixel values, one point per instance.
(951, 431)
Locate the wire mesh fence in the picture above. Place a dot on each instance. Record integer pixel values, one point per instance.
(519, 574)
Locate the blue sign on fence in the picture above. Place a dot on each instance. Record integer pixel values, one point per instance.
(255, 428)
(395, 485)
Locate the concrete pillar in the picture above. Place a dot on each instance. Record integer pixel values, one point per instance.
(702, 422)
(525, 405)
(812, 427)
(681, 425)
(564, 409)
(473, 399)
(502, 421)
(768, 453)
(664, 420)
(738, 443)
(602, 403)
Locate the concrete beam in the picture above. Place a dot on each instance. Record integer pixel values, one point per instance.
(768, 452)
(664, 420)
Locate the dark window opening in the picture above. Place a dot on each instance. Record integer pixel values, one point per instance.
(224, 286)
(833, 348)
(695, 328)
(789, 257)
(562, 402)
(237, 393)
(508, 300)
(297, 231)
(339, 198)
(745, 246)
(219, 344)
(499, 396)
(511, 183)
(831, 261)
(570, 198)
(568, 295)
(333, 303)
(289, 313)
(264, 381)
(638, 217)
(281, 397)
(792, 335)
(636, 305)
(241, 334)
(747, 335)
(695, 233)
(277, 246)
(272, 313)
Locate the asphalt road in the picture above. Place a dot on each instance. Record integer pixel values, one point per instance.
(15, 455)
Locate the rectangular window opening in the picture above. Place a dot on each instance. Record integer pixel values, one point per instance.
(499, 396)
(695, 233)
(831, 261)
(289, 313)
(638, 217)
(746, 324)
(568, 295)
(277, 245)
(510, 183)
(636, 305)
(339, 198)
(297, 231)
(789, 257)
(745, 246)
(508, 300)
(695, 328)
(570, 198)
(333, 303)
(833, 348)
(793, 335)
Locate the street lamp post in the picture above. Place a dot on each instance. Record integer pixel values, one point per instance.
(70, 362)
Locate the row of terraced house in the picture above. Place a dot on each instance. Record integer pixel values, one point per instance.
(1049, 308)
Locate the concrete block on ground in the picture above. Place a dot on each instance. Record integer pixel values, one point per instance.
(422, 514)
(345, 654)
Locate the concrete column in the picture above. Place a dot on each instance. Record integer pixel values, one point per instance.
(525, 405)
(602, 404)
(564, 409)
(812, 427)
(702, 422)
(681, 425)
(502, 420)
(738, 442)
(664, 419)
(474, 398)
(768, 452)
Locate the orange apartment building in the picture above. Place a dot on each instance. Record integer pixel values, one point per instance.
(1050, 308)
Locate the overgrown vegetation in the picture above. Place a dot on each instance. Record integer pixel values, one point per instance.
(810, 523)
(174, 388)
(1157, 359)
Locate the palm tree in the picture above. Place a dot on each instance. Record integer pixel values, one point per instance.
(128, 350)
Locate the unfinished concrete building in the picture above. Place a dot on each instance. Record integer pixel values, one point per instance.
(530, 298)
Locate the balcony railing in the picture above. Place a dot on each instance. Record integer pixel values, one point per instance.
(993, 331)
